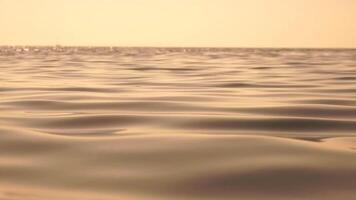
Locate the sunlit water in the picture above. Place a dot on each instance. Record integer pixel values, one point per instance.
(159, 123)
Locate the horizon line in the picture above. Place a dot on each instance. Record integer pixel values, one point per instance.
(179, 47)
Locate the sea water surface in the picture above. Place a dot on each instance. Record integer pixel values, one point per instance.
(177, 123)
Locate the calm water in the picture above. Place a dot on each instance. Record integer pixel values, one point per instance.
(159, 123)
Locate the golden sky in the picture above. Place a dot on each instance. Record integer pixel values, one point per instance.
(221, 23)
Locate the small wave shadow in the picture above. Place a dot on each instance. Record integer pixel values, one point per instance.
(88, 133)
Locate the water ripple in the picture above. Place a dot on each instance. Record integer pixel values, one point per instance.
(177, 123)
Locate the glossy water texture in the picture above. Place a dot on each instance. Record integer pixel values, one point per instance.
(177, 124)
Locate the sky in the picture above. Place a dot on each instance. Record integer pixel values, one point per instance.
(181, 23)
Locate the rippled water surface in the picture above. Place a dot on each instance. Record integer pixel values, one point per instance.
(175, 123)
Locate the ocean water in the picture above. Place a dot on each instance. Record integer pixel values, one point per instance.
(177, 123)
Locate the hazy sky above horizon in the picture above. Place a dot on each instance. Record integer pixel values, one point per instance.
(229, 23)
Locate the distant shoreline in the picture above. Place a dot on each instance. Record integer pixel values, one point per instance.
(174, 47)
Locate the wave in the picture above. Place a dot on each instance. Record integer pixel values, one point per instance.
(177, 123)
